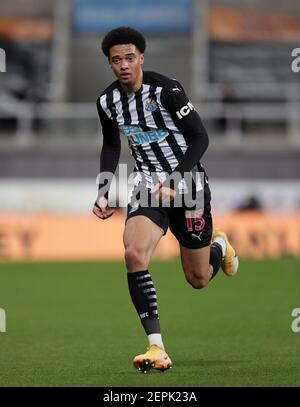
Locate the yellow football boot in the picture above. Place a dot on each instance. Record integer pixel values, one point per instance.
(230, 262)
(155, 358)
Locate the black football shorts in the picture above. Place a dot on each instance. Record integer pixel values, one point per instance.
(192, 228)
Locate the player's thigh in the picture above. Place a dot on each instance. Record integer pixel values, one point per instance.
(195, 262)
(140, 238)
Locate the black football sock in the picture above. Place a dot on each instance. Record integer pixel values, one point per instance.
(215, 258)
(144, 298)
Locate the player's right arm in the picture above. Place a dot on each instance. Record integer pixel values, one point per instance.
(109, 159)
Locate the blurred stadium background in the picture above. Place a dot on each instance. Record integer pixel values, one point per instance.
(234, 59)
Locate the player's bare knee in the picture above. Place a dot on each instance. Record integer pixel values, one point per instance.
(198, 282)
(135, 260)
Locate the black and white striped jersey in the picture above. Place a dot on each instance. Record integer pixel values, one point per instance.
(159, 122)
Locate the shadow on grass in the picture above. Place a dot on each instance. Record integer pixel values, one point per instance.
(210, 362)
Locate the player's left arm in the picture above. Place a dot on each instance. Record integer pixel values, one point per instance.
(188, 122)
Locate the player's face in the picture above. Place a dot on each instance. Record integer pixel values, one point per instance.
(126, 62)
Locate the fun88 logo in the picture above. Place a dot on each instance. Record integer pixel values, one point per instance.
(137, 136)
(2, 60)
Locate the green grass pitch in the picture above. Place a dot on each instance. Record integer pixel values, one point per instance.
(72, 324)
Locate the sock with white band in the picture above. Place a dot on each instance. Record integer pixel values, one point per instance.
(143, 295)
(156, 339)
(222, 243)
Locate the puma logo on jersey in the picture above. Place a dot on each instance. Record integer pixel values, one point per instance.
(185, 110)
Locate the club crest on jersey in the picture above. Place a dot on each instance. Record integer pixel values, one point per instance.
(151, 105)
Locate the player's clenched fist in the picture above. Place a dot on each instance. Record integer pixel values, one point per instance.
(162, 193)
(101, 208)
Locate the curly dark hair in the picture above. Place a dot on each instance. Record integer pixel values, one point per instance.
(123, 35)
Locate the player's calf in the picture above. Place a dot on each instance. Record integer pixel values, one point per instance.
(196, 267)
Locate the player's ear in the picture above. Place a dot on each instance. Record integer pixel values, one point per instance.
(142, 59)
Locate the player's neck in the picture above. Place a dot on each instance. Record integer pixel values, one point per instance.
(131, 88)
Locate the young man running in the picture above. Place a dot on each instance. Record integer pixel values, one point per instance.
(166, 136)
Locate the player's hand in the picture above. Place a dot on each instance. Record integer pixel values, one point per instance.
(101, 208)
(163, 194)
